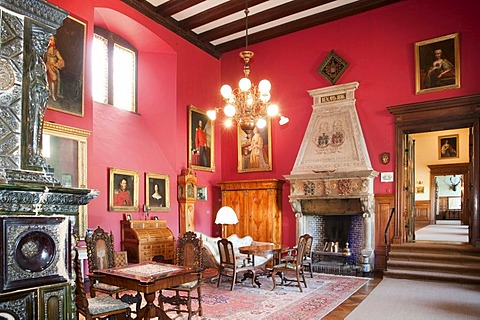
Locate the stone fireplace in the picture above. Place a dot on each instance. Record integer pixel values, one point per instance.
(331, 183)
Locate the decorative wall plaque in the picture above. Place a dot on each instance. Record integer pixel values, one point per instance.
(332, 67)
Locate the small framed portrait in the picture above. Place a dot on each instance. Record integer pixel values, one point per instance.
(201, 193)
(386, 177)
(437, 64)
(255, 149)
(200, 140)
(65, 64)
(157, 191)
(123, 193)
(448, 147)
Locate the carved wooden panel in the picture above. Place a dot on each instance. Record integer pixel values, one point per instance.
(383, 206)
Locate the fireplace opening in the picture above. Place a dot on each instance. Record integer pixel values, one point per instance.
(337, 229)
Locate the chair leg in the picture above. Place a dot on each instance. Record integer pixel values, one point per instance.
(233, 280)
(219, 277)
(199, 294)
(298, 281)
(274, 273)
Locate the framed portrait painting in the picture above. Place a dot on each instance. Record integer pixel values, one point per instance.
(65, 63)
(448, 147)
(437, 64)
(201, 193)
(157, 191)
(200, 140)
(123, 190)
(255, 149)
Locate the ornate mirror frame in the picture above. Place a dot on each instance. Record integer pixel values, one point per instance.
(80, 136)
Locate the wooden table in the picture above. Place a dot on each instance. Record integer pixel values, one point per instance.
(263, 249)
(148, 277)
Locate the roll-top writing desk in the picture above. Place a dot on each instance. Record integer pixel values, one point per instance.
(145, 239)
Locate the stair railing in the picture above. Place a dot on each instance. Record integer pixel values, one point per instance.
(387, 244)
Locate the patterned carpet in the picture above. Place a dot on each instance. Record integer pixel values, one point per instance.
(324, 293)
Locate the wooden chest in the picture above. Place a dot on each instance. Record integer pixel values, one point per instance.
(145, 239)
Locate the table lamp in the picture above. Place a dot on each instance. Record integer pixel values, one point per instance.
(226, 215)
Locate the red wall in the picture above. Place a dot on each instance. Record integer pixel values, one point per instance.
(171, 77)
(379, 47)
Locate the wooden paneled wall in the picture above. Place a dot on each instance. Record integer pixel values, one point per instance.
(383, 206)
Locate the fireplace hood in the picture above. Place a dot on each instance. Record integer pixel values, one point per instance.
(332, 173)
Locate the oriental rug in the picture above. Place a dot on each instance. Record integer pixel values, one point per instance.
(323, 294)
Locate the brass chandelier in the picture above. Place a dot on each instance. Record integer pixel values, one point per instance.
(248, 105)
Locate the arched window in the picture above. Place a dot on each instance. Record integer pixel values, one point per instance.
(114, 70)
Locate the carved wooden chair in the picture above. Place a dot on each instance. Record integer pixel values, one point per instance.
(101, 255)
(230, 266)
(189, 254)
(307, 260)
(99, 307)
(293, 267)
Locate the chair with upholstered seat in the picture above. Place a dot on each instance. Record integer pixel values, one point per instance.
(99, 307)
(188, 254)
(293, 267)
(101, 255)
(230, 266)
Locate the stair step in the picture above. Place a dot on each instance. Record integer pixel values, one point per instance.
(425, 275)
(445, 258)
(436, 267)
(431, 247)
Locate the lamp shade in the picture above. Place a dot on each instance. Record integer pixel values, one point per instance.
(226, 215)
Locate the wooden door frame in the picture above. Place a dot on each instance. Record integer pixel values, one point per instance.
(450, 169)
(437, 115)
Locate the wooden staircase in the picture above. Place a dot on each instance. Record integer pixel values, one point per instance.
(439, 261)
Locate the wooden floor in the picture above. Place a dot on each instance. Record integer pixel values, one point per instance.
(351, 303)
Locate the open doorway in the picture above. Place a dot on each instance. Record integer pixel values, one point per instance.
(428, 117)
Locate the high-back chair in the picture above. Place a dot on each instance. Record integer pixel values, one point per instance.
(99, 307)
(230, 266)
(188, 254)
(101, 255)
(292, 268)
(307, 258)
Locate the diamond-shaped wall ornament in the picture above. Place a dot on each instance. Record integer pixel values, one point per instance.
(332, 67)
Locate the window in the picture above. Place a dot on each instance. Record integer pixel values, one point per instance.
(113, 70)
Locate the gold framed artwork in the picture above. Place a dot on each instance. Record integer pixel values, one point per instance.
(437, 64)
(448, 147)
(420, 189)
(255, 149)
(157, 191)
(200, 140)
(123, 190)
(65, 150)
(65, 64)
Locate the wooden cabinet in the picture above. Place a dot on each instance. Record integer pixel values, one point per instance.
(258, 204)
(145, 239)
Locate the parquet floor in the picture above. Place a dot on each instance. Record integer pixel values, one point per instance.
(351, 303)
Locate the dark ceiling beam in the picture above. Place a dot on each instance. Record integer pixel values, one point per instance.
(215, 13)
(307, 22)
(175, 6)
(149, 11)
(260, 18)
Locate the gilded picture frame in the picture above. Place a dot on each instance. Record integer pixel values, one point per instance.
(437, 64)
(255, 149)
(157, 191)
(123, 190)
(201, 148)
(448, 147)
(65, 151)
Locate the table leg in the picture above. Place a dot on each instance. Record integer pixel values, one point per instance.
(151, 310)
